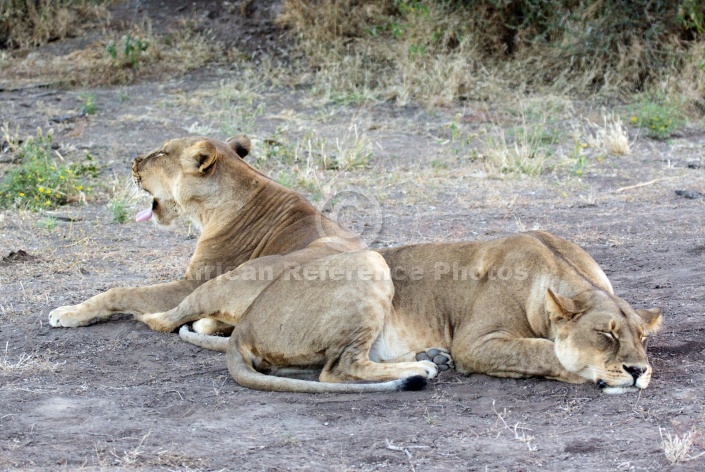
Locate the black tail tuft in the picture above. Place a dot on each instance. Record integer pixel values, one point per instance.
(415, 382)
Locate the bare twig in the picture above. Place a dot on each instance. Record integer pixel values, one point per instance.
(405, 449)
(520, 436)
(391, 446)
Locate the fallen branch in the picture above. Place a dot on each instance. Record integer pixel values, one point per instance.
(390, 445)
(29, 86)
(60, 217)
(642, 184)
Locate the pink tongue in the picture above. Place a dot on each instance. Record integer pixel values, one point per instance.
(144, 215)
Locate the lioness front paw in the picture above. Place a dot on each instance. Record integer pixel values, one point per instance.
(430, 368)
(439, 356)
(68, 317)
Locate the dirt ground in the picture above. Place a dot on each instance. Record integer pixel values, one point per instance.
(119, 396)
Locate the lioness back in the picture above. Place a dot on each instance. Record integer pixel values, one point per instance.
(441, 277)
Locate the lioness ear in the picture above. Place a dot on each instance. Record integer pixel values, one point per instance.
(652, 317)
(241, 145)
(205, 155)
(559, 308)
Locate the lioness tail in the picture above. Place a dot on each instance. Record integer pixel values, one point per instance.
(214, 343)
(244, 373)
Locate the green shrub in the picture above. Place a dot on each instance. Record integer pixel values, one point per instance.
(119, 208)
(89, 105)
(658, 117)
(41, 182)
(131, 48)
(466, 48)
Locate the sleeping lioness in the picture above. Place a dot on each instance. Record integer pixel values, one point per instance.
(306, 293)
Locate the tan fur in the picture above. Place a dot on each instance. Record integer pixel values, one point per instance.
(305, 293)
(242, 214)
(526, 305)
(272, 248)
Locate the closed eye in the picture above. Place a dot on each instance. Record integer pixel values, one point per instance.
(608, 335)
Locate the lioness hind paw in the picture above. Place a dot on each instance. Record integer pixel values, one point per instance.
(439, 356)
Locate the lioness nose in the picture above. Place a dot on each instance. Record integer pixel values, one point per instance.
(634, 371)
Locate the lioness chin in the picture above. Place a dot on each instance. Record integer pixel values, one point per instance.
(305, 293)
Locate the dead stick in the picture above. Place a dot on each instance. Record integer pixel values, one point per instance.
(642, 184)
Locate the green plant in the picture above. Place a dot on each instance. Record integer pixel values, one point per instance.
(579, 158)
(691, 15)
(658, 116)
(119, 208)
(41, 182)
(47, 223)
(131, 48)
(439, 164)
(277, 151)
(287, 179)
(89, 105)
(123, 95)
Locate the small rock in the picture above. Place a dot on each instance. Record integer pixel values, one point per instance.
(16, 256)
(690, 194)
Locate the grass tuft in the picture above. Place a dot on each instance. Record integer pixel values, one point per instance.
(122, 202)
(611, 138)
(677, 447)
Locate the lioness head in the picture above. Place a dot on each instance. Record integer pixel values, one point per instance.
(600, 337)
(185, 172)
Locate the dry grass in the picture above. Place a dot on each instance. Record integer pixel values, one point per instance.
(520, 433)
(611, 137)
(676, 447)
(438, 52)
(26, 23)
(313, 163)
(24, 363)
(363, 52)
(140, 457)
(106, 62)
(528, 147)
